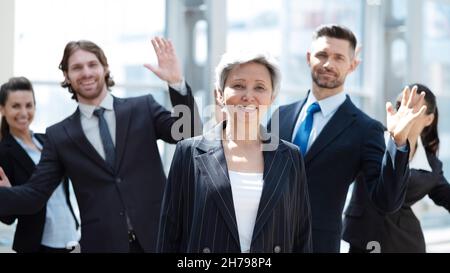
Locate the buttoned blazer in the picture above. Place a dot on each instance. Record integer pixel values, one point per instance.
(198, 214)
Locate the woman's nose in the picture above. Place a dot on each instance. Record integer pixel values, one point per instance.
(248, 95)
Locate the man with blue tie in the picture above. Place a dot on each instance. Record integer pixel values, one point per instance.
(109, 151)
(342, 144)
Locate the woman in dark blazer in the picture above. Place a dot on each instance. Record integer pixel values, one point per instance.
(401, 231)
(237, 188)
(19, 151)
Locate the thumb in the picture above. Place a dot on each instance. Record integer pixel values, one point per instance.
(150, 67)
(155, 70)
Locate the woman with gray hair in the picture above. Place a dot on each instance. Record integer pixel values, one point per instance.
(229, 190)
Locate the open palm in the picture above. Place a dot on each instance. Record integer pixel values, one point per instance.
(4, 181)
(168, 68)
(399, 122)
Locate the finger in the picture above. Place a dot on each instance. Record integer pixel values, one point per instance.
(2, 173)
(166, 44)
(155, 46)
(405, 96)
(389, 109)
(170, 46)
(154, 69)
(420, 101)
(421, 112)
(412, 95)
(150, 67)
(161, 44)
(414, 98)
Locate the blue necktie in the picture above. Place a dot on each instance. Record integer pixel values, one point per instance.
(302, 136)
(105, 135)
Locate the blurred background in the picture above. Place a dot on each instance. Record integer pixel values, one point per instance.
(403, 41)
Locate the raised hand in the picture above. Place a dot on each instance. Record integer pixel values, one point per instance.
(4, 181)
(168, 68)
(400, 122)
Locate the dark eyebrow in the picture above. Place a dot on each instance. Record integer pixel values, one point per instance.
(75, 65)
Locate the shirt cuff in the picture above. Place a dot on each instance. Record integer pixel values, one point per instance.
(180, 87)
(392, 148)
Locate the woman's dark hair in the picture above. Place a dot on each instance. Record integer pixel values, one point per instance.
(429, 135)
(88, 46)
(12, 85)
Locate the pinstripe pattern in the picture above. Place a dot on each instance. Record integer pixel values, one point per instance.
(198, 214)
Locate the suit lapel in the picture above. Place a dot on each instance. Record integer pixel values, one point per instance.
(290, 120)
(123, 114)
(343, 118)
(19, 154)
(75, 132)
(276, 164)
(212, 164)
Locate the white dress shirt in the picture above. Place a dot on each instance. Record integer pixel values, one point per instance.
(59, 227)
(328, 107)
(246, 190)
(420, 159)
(89, 122)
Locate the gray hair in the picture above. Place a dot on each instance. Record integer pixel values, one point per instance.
(231, 60)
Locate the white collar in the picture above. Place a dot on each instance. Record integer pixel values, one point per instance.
(88, 110)
(33, 138)
(327, 106)
(420, 160)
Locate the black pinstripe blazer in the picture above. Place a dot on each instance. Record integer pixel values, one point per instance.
(198, 214)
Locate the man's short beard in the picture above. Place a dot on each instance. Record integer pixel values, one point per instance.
(328, 85)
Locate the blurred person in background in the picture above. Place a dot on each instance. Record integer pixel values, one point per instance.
(54, 228)
(401, 232)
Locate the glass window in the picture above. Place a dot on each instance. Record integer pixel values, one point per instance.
(437, 64)
(284, 28)
(123, 29)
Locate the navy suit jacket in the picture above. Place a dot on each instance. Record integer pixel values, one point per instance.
(198, 214)
(399, 232)
(350, 147)
(19, 167)
(134, 186)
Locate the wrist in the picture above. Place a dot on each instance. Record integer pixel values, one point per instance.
(175, 81)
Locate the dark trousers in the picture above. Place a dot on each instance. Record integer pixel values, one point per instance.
(354, 249)
(135, 247)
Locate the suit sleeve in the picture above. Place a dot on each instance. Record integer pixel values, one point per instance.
(32, 196)
(440, 194)
(5, 163)
(186, 123)
(303, 238)
(171, 218)
(386, 177)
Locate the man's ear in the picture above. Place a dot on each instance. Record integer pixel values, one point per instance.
(308, 58)
(2, 110)
(356, 59)
(66, 77)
